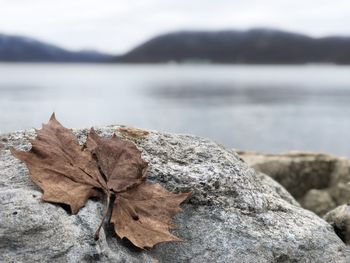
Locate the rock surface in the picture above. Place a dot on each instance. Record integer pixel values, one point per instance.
(320, 182)
(234, 214)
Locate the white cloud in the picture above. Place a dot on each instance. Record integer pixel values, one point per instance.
(117, 25)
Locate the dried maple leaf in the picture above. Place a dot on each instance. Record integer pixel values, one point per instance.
(70, 174)
(142, 212)
(57, 164)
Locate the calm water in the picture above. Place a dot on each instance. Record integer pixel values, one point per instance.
(262, 108)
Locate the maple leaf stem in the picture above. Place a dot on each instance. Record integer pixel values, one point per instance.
(97, 233)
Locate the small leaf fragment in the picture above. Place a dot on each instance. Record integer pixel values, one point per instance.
(133, 132)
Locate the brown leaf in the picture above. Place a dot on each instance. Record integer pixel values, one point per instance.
(57, 164)
(143, 214)
(70, 174)
(120, 161)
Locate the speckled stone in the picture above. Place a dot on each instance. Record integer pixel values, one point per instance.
(234, 214)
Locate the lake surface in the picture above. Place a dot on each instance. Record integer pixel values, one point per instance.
(259, 108)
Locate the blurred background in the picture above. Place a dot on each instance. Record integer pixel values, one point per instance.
(255, 75)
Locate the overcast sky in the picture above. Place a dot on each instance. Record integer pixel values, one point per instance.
(118, 25)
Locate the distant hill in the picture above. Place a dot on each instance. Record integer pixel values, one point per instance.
(23, 49)
(258, 46)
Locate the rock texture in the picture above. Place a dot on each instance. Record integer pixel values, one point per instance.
(234, 215)
(320, 182)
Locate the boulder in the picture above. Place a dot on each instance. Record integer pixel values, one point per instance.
(319, 182)
(339, 218)
(234, 214)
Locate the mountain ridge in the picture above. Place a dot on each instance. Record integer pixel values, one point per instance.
(15, 48)
(254, 46)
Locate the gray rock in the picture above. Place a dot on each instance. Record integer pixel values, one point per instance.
(319, 182)
(234, 215)
(318, 201)
(339, 218)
